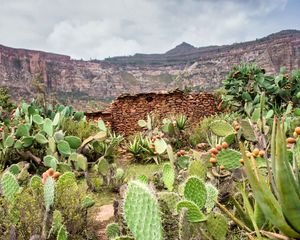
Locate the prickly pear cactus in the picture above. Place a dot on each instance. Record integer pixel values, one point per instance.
(212, 196)
(195, 191)
(112, 231)
(229, 158)
(10, 186)
(87, 202)
(197, 168)
(170, 198)
(57, 222)
(221, 128)
(168, 176)
(184, 225)
(62, 233)
(73, 141)
(36, 184)
(67, 180)
(14, 169)
(141, 212)
(103, 166)
(160, 146)
(217, 226)
(119, 175)
(194, 213)
(64, 148)
(247, 131)
(49, 189)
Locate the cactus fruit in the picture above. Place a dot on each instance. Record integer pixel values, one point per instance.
(194, 213)
(212, 196)
(170, 198)
(64, 148)
(221, 128)
(62, 233)
(229, 158)
(103, 166)
(10, 186)
(195, 190)
(49, 189)
(197, 168)
(141, 212)
(217, 226)
(73, 141)
(112, 231)
(168, 176)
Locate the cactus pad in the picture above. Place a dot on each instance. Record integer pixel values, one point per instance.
(212, 196)
(14, 169)
(168, 176)
(197, 168)
(195, 191)
(64, 148)
(87, 202)
(50, 161)
(48, 127)
(170, 198)
(103, 166)
(247, 131)
(49, 189)
(40, 138)
(217, 226)
(229, 158)
(36, 183)
(160, 146)
(194, 214)
(10, 186)
(62, 233)
(119, 175)
(112, 231)
(141, 212)
(57, 222)
(73, 141)
(221, 128)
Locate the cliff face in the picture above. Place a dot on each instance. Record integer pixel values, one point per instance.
(184, 65)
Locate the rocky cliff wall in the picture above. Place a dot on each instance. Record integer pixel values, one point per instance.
(78, 82)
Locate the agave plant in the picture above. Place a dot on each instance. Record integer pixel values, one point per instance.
(280, 201)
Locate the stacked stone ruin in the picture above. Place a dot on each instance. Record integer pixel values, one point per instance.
(126, 110)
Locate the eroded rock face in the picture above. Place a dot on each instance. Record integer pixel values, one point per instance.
(182, 66)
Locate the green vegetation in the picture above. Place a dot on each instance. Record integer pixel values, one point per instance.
(234, 176)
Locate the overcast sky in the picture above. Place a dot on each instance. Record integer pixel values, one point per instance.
(102, 28)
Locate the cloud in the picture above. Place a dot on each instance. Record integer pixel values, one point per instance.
(98, 28)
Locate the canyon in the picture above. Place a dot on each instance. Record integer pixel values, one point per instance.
(87, 84)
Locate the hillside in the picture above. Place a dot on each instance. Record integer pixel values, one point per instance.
(185, 65)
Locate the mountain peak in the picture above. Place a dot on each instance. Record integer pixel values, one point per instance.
(183, 47)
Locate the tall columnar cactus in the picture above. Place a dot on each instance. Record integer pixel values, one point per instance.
(10, 186)
(229, 158)
(217, 226)
(221, 128)
(141, 212)
(112, 231)
(195, 191)
(168, 176)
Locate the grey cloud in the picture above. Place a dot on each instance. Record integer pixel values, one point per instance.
(99, 28)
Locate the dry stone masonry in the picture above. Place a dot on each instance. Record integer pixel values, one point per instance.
(126, 110)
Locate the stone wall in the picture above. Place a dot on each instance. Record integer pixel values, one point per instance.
(126, 110)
